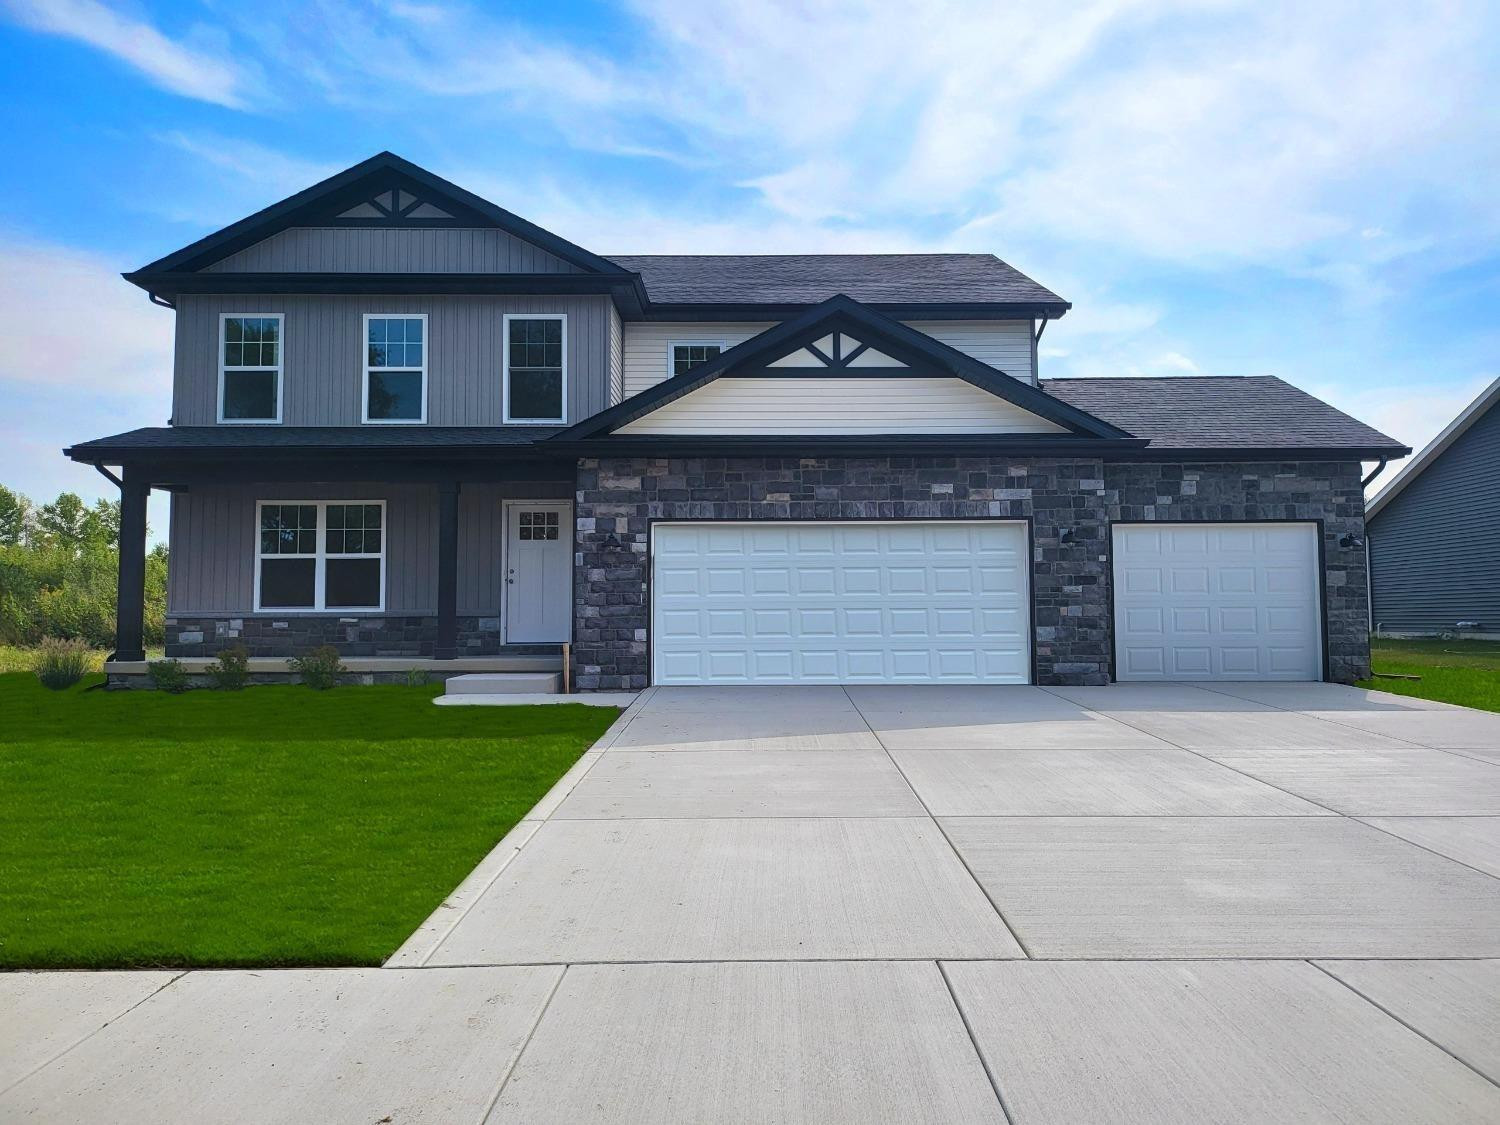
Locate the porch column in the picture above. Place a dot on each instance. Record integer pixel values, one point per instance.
(446, 647)
(130, 607)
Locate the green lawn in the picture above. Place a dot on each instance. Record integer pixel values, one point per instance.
(1464, 672)
(272, 826)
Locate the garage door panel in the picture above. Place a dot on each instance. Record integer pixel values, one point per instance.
(1227, 602)
(919, 601)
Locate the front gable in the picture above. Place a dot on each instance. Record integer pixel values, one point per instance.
(383, 215)
(839, 370)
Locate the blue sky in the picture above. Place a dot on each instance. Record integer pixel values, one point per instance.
(1220, 188)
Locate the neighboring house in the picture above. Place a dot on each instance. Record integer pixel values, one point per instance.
(1435, 532)
(409, 423)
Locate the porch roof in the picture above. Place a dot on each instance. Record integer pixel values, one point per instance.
(238, 441)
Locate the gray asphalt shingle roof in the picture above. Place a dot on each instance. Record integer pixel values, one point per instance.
(375, 439)
(1219, 412)
(809, 278)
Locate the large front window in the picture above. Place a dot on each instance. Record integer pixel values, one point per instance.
(320, 554)
(395, 368)
(535, 368)
(250, 368)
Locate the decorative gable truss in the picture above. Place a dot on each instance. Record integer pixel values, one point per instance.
(843, 370)
(393, 206)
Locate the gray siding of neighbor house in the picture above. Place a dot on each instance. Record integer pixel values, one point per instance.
(1435, 548)
(392, 250)
(212, 540)
(322, 360)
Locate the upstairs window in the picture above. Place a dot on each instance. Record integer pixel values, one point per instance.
(685, 357)
(536, 357)
(250, 368)
(320, 555)
(395, 385)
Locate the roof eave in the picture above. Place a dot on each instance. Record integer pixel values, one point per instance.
(1434, 450)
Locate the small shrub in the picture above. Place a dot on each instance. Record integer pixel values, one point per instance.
(61, 664)
(321, 668)
(418, 677)
(231, 671)
(168, 675)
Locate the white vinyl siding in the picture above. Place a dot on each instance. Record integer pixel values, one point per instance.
(830, 602)
(840, 404)
(647, 344)
(1004, 344)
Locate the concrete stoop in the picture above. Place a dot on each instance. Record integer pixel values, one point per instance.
(502, 689)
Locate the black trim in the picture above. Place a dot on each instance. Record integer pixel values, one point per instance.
(183, 474)
(384, 170)
(901, 310)
(1230, 453)
(843, 313)
(628, 286)
(1316, 523)
(861, 445)
(652, 521)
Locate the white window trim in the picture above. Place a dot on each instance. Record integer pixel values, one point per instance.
(364, 386)
(321, 558)
(505, 366)
(673, 345)
(280, 319)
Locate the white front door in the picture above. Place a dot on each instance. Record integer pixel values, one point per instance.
(905, 602)
(538, 571)
(1217, 601)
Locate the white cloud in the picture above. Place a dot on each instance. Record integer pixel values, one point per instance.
(75, 327)
(201, 69)
(1413, 414)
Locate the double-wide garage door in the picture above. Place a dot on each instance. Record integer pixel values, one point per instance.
(827, 602)
(1205, 601)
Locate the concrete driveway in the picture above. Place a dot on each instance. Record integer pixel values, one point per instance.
(1152, 903)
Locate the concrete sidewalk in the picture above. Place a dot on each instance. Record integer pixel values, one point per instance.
(1149, 903)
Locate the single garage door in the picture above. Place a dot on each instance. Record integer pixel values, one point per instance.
(1230, 601)
(826, 602)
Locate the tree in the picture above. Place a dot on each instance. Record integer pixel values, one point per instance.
(15, 517)
(70, 526)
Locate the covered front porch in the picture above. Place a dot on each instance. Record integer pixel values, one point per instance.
(441, 559)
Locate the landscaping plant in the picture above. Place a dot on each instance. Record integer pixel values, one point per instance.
(168, 675)
(320, 669)
(231, 671)
(61, 664)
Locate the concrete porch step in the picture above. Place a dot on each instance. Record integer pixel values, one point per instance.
(504, 683)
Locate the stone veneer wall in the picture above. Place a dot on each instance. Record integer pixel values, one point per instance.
(1295, 490)
(618, 497)
(266, 635)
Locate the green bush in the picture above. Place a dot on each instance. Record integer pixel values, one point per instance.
(231, 671)
(418, 677)
(58, 572)
(168, 675)
(61, 664)
(321, 668)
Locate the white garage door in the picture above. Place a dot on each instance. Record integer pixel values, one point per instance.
(1234, 601)
(808, 603)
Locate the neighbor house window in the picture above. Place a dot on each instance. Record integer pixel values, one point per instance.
(250, 368)
(395, 368)
(685, 357)
(536, 358)
(320, 554)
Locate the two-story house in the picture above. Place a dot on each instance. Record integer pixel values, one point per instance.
(409, 423)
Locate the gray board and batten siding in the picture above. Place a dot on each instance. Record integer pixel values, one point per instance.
(213, 533)
(322, 359)
(393, 250)
(1435, 546)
